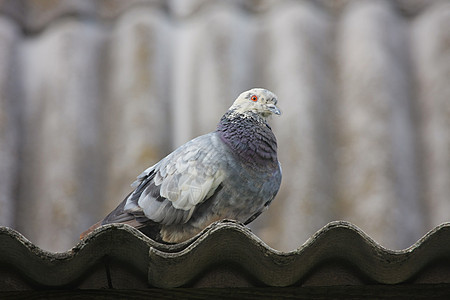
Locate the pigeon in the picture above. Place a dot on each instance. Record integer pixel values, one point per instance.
(230, 173)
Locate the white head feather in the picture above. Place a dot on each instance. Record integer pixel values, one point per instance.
(257, 100)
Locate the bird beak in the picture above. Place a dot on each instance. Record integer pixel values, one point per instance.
(274, 109)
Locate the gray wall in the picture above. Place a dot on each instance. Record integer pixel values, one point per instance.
(93, 92)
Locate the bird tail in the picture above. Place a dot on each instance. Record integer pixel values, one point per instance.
(119, 216)
(92, 228)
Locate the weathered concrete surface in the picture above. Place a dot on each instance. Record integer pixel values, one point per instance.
(61, 164)
(431, 54)
(378, 175)
(93, 92)
(10, 114)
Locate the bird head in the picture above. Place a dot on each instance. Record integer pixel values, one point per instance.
(260, 101)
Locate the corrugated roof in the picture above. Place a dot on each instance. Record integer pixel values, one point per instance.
(226, 254)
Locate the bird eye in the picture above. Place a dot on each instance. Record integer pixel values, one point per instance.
(254, 98)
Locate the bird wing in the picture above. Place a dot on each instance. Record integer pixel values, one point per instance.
(169, 191)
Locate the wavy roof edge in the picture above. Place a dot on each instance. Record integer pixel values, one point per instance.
(224, 245)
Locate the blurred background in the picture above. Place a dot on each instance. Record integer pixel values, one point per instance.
(94, 92)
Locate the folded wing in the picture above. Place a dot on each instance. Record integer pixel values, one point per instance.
(169, 191)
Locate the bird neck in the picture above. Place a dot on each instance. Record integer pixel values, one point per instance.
(249, 136)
